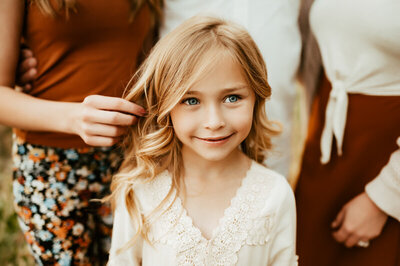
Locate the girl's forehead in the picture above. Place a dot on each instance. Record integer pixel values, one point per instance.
(223, 74)
(212, 61)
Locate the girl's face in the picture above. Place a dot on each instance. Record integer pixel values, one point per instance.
(216, 114)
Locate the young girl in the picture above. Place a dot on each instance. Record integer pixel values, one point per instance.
(191, 190)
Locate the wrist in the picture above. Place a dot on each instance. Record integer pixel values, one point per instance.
(68, 120)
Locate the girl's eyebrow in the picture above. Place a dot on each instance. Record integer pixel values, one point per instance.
(226, 90)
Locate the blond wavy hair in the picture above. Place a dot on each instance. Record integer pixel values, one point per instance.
(177, 61)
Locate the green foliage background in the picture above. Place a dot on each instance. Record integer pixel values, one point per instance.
(13, 249)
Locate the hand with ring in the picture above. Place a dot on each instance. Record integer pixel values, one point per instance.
(359, 221)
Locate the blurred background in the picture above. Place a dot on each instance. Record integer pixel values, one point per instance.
(13, 248)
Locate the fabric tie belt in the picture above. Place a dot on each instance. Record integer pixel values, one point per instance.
(335, 121)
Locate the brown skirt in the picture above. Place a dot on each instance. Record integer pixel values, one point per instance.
(373, 125)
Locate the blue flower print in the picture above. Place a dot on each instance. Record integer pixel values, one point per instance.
(50, 203)
(56, 247)
(71, 177)
(65, 259)
(72, 155)
(33, 208)
(21, 149)
(45, 235)
(59, 186)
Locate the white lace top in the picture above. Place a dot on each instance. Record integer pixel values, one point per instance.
(258, 228)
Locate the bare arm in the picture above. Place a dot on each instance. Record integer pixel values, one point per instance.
(11, 20)
(99, 120)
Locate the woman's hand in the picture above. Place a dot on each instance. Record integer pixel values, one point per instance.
(359, 221)
(102, 120)
(27, 71)
(98, 120)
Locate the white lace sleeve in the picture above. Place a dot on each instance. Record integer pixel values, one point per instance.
(384, 190)
(123, 231)
(283, 238)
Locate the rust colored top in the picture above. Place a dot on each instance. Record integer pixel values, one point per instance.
(94, 51)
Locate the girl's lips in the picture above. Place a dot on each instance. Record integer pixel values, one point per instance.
(216, 139)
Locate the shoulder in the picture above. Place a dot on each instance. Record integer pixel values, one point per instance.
(151, 193)
(147, 197)
(276, 191)
(270, 177)
(268, 197)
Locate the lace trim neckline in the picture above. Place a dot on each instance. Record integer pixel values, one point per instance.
(222, 220)
(176, 227)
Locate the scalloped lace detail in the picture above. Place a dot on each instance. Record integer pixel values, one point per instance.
(241, 223)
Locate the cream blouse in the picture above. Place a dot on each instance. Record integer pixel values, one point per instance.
(258, 228)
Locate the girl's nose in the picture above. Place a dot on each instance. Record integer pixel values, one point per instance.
(214, 118)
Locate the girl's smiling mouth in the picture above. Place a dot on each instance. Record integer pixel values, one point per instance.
(216, 139)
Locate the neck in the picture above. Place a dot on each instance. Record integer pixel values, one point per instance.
(206, 170)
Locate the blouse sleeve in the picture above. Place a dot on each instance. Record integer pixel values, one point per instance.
(283, 238)
(384, 190)
(123, 232)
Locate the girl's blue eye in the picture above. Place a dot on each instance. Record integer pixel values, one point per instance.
(191, 101)
(232, 98)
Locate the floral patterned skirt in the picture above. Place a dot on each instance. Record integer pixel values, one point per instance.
(53, 195)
